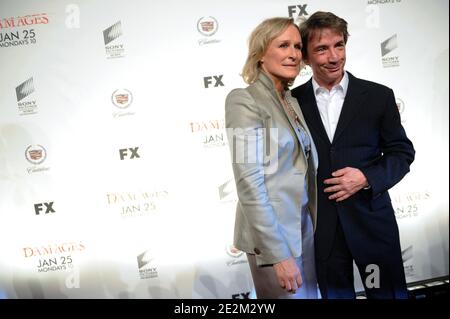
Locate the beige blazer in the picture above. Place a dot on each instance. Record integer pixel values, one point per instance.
(270, 171)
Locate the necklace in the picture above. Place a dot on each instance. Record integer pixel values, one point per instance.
(304, 137)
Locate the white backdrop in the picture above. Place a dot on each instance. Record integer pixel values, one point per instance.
(115, 179)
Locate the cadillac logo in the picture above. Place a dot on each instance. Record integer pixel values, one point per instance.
(122, 98)
(35, 154)
(207, 26)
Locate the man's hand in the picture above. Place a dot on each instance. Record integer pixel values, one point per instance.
(346, 182)
(288, 274)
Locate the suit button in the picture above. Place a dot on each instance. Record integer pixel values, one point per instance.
(257, 251)
(332, 150)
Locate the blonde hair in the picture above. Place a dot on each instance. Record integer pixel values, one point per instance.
(259, 40)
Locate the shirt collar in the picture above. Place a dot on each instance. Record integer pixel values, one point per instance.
(343, 84)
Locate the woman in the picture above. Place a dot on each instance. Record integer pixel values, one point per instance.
(274, 164)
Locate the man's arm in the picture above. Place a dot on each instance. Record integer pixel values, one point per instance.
(397, 151)
(397, 155)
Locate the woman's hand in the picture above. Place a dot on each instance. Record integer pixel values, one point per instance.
(288, 274)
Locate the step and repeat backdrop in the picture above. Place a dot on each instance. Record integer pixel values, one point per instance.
(115, 175)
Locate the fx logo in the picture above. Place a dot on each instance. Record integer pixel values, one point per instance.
(48, 208)
(207, 80)
(245, 295)
(124, 153)
(301, 9)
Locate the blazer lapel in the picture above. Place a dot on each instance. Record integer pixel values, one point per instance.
(351, 106)
(301, 118)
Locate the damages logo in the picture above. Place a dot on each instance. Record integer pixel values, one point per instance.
(210, 133)
(13, 38)
(32, 19)
(54, 257)
(137, 204)
(410, 205)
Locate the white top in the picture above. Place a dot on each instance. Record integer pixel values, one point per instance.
(330, 103)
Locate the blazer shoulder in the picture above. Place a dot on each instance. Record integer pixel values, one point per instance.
(234, 93)
(374, 86)
(238, 98)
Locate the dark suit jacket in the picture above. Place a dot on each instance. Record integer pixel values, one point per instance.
(369, 136)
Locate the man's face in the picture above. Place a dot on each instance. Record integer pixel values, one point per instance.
(326, 57)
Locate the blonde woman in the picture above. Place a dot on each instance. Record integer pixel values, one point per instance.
(274, 162)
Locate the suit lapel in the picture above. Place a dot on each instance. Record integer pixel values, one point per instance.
(351, 106)
(311, 112)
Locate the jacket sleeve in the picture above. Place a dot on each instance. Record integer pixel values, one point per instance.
(245, 132)
(397, 151)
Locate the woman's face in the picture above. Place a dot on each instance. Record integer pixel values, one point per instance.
(283, 56)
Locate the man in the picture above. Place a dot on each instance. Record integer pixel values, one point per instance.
(363, 151)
